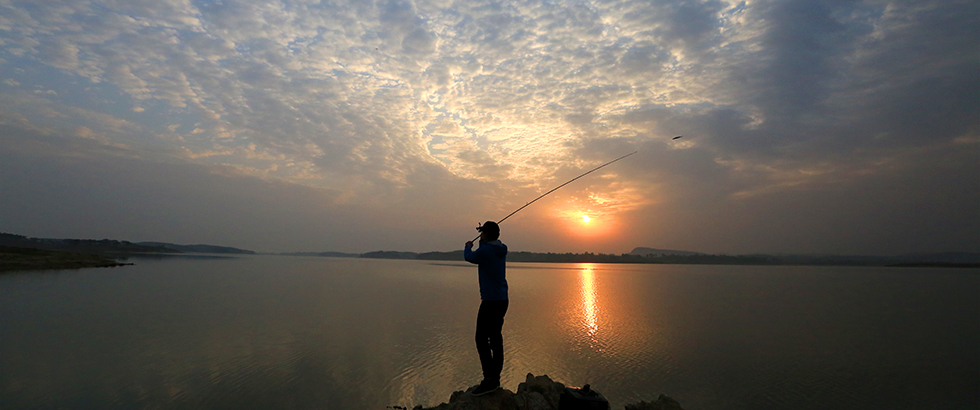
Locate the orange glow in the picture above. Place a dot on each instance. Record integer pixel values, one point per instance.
(586, 223)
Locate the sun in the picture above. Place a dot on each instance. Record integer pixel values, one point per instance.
(586, 223)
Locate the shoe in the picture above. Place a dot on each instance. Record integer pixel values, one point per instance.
(485, 387)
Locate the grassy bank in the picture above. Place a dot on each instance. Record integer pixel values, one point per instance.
(17, 259)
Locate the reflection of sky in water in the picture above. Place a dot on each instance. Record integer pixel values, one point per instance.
(266, 332)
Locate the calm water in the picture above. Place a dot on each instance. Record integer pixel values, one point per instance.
(269, 332)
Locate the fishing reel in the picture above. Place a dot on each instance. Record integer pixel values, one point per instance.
(488, 225)
(489, 228)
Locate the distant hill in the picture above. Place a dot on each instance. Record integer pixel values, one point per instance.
(443, 256)
(111, 246)
(641, 251)
(390, 255)
(325, 254)
(199, 248)
(100, 246)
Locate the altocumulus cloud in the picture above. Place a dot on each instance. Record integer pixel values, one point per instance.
(832, 126)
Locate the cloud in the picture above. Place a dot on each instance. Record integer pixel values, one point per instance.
(61, 54)
(419, 41)
(112, 192)
(485, 166)
(646, 59)
(376, 102)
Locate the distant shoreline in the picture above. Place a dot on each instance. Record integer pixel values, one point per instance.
(99, 253)
(14, 259)
(688, 258)
(21, 253)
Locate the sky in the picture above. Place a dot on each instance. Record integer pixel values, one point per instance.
(841, 127)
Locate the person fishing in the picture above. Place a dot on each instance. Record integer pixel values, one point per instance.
(491, 257)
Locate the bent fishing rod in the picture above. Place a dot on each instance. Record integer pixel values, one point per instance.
(556, 188)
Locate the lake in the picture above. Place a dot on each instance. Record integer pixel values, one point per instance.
(288, 332)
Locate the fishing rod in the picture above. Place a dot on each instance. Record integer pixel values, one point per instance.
(556, 188)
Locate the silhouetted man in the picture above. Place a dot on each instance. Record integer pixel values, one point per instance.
(491, 257)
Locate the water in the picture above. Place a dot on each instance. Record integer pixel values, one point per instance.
(270, 332)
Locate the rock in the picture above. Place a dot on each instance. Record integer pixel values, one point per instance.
(540, 392)
(536, 393)
(501, 399)
(662, 403)
(532, 401)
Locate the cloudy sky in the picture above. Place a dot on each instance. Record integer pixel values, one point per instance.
(809, 126)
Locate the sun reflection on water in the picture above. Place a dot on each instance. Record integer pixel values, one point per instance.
(589, 305)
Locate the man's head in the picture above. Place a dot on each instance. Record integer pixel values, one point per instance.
(490, 231)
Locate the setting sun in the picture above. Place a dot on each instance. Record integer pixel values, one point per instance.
(586, 222)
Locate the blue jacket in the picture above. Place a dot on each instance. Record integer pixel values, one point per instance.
(491, 256)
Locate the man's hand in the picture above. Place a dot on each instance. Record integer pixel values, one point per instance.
(469, 243)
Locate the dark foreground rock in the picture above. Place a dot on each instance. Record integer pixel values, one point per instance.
(536, 393)
(662, 403)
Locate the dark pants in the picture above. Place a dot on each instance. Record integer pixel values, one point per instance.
(489, 341)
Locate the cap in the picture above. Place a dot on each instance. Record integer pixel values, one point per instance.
(489, 227)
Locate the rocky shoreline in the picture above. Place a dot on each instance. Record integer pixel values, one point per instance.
(535, 393)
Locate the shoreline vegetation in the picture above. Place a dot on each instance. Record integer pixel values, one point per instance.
(20, 259)
(21, 253)
(18, 252)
